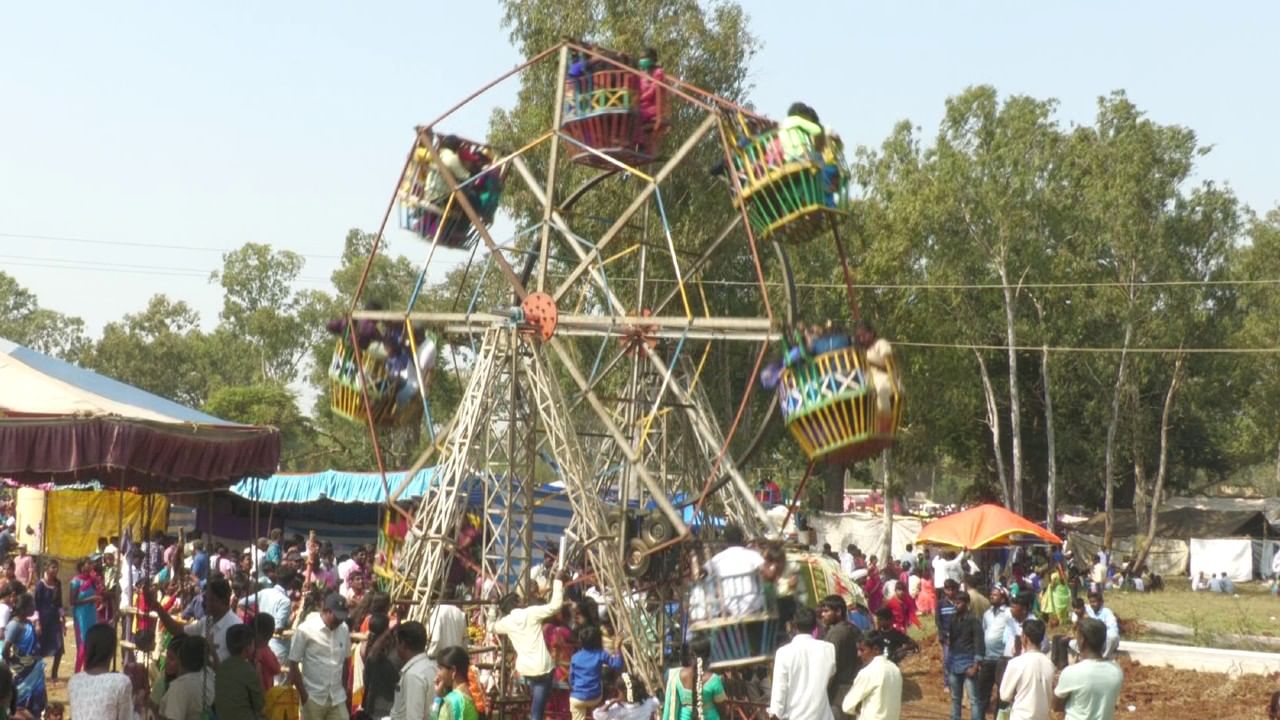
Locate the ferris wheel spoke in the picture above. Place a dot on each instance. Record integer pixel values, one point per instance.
(641, 198)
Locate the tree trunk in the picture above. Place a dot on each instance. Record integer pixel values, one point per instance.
(888, 508)
(1141, 486)
(993, 422)
(832, 489)
(1157, 495)
(1051, 492)
(1015, 403)
(1108, 456)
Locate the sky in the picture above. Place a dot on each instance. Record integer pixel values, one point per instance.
(140, 140)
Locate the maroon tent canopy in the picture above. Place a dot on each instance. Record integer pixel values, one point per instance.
(62, 424)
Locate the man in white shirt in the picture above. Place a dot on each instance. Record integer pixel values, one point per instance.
(1088, 689)
(801, 670)
(948, 566)
(846, 560)
(877, 690)
(1104, 615)
(415, 693)
(1028, 678)
(446, 627)
(1275, 564)
(735, 569)
(523, 627)
(320, 646)
(274, 601)
(217, 617)
(191, 694)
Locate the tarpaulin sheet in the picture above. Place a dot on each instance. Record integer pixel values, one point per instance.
(865, 531)
(77, 518)
(1233, 556)
(983, 526)
(1168, 556)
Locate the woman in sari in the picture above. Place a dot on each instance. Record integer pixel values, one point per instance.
(52, 623)
(22, 654)
(1056, 600)
(85, 599)
(453, 691)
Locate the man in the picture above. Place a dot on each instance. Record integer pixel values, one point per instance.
(415, 693)
(731, 566)
(1088, 689)
(447, 626)
(274, 601)
(908, 556)
(199, 562)
(1098, 574)
(877, 691)
(523, 627)
(213, 626)
(949, 566)
(846, 559)
(356, 563)
(1215, 584)
(897, 645)
(24, 566)
(834, 614)
(238, 691)
(543, 575)
(964, 654)
(978, 603)
(275, 549)
(878, 353)
(321, 644)
(802, 670)
(1228, 587)
(1028, 678)
(1019, 611)
(995, 622)
(1275, 566)
(194, 690)
(942, 619)
(1108, 620)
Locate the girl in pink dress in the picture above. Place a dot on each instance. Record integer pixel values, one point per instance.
(926, 598)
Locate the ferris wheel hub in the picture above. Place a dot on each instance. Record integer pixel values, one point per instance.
(539, 315)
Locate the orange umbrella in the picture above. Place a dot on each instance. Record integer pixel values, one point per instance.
(982, 526)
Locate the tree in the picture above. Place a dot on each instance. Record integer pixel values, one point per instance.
(261, 305)
(268, 404)
(23, 321)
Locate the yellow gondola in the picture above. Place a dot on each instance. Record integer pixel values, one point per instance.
(428, 208)
(830, 407)
(789, 187)
(346, 398)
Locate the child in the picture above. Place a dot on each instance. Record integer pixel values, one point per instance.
(585, 686)
(237, 688)
(264, 627)
(630, 699)
(651, 79)
(453, 695)
(55, 711)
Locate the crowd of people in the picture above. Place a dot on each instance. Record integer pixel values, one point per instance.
(287, 627)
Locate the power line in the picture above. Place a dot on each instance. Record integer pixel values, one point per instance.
(951, 286)
(1097, 350)
(152, 246)
(123, 268)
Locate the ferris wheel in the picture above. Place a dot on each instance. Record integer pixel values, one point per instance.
(615, 337)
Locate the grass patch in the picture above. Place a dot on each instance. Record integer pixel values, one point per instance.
(1251, 611)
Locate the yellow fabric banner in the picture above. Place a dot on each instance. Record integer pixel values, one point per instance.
(77, 518)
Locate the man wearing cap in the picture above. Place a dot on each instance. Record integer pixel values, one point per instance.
(320, 646)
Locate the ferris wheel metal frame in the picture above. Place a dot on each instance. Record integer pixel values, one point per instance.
(527, 395)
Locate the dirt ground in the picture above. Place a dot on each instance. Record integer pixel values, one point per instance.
(1154, 693)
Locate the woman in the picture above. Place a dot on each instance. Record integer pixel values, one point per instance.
(452, 686)
(22, 654)
(97, 693)
(85, 599)
(926, 599)
(694, 687)
(50, 616)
